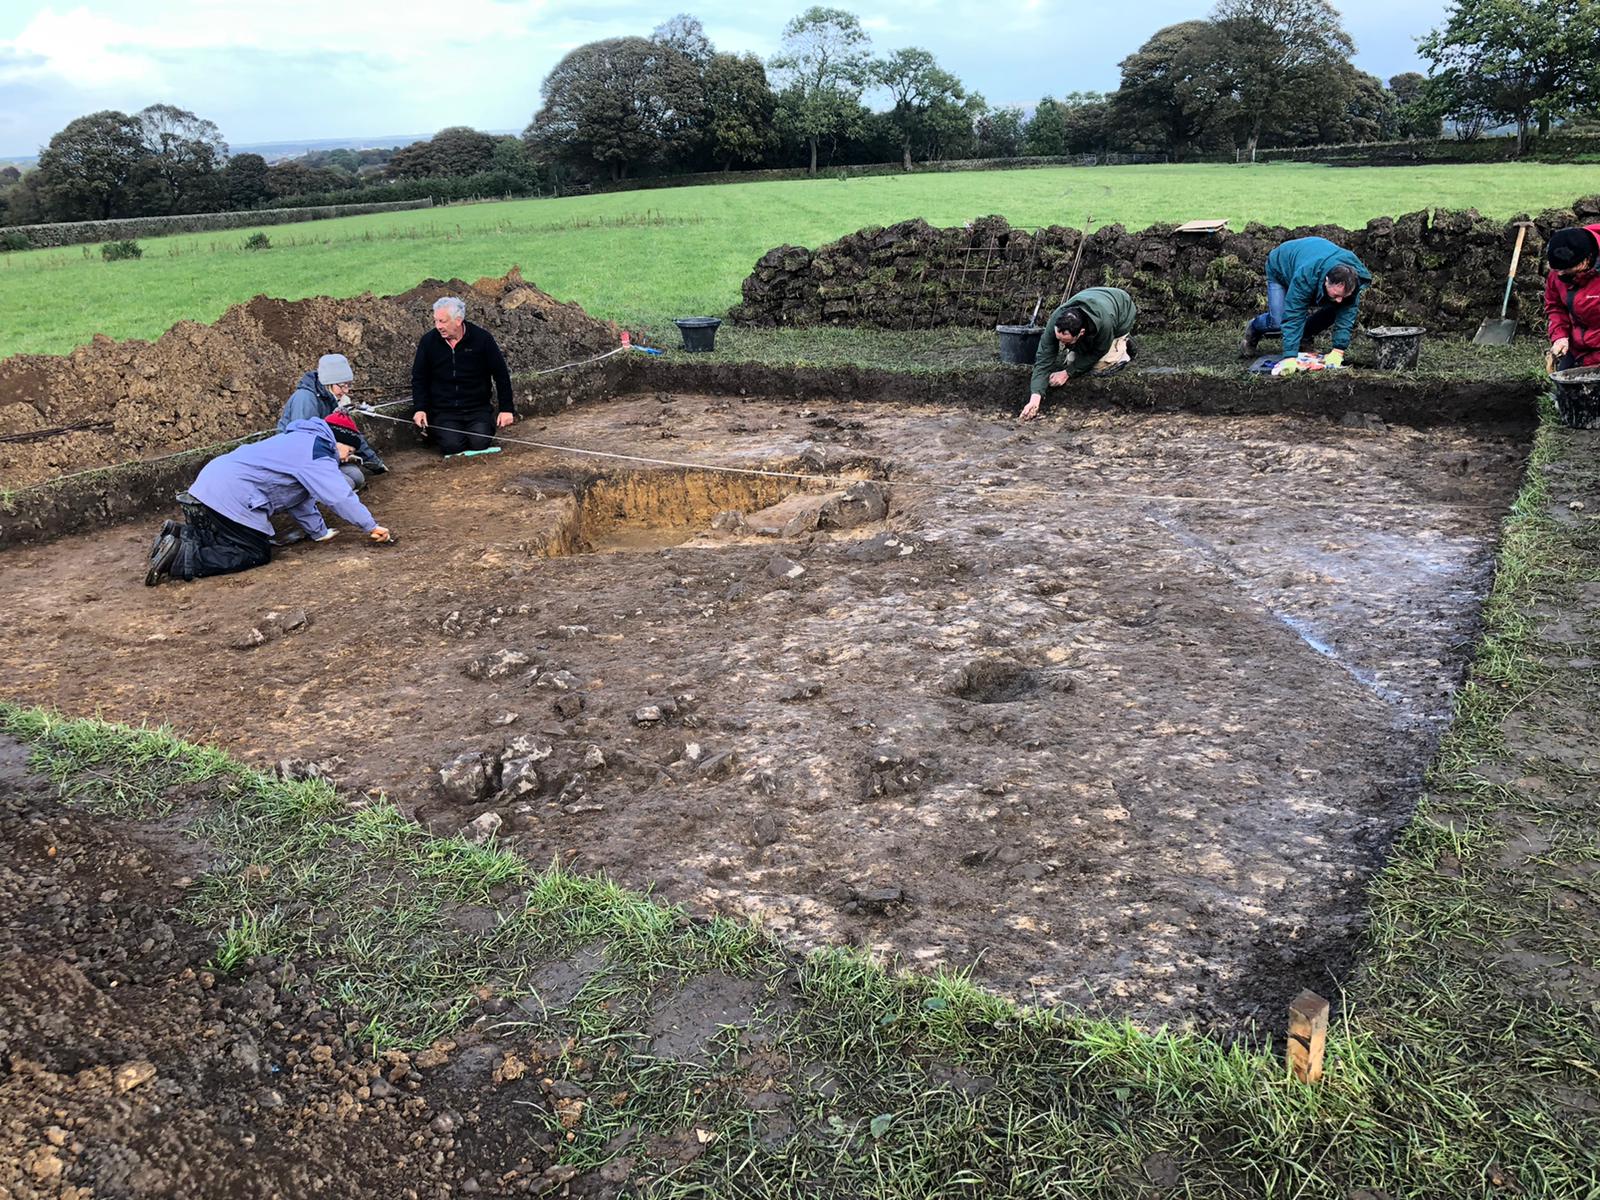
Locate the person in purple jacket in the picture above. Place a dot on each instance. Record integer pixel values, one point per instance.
(230, 504)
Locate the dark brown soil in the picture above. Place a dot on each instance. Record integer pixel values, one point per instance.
(198, 384)
(130, 1068)
(1104, 746)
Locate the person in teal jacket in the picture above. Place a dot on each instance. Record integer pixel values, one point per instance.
(1312, 283)
(1087, 335)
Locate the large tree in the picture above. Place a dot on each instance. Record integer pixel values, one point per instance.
(455, 151)
(1522, 61)
(998, 132)
(1045, 133)
(89, 169)
(1279, 52)
(821, 70)
(244, 181)
(620, 103)
(1174, 95)
(685, 34)
(741, 105)
(1351, 106)
(1412, 115)
(1085, 122)
(183, 160)
(918, 89)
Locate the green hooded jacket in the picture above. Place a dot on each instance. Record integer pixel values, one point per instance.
(1112, 312)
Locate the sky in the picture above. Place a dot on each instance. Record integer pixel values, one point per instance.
(291, 69)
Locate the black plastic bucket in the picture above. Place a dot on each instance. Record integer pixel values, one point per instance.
(1578, 397)
(1019, 343)
(1397, 346)
(699, 333)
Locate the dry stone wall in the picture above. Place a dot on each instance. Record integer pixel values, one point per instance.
(1443, 269)
(73, 233)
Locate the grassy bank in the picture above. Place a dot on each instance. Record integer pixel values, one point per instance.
(1465, 1063)
(645, 257)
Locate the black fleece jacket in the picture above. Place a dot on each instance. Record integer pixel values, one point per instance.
(445, 380)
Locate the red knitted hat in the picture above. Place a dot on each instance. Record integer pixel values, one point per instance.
(340, 421)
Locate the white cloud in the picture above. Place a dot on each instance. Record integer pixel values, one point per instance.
(110, 44)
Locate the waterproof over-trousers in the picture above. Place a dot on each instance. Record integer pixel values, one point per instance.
(456, 432)
(211, 544)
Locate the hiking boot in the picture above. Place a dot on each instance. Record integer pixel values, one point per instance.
(289, 537)
(166, 528)
(162, 558)
(1249, 343)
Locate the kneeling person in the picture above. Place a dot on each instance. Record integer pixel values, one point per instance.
(1572, 296)
(1088, 335)
(460, 384)
(323, 394)
(230, 504)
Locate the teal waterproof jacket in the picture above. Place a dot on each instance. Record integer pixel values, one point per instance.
(1112, 312)
(1299, 266)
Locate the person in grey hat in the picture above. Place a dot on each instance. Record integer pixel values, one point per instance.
(321, 393)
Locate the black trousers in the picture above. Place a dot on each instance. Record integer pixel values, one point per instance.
(455, 432)
(211, 544)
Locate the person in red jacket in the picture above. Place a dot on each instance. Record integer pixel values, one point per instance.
(1572, 296)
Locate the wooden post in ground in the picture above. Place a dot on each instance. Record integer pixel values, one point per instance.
(1308, 1036)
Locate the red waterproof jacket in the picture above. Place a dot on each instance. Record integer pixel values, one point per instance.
(1573, 312)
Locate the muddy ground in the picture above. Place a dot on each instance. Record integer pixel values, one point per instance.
(128, 1068)
(198, 384)
(1105, 746)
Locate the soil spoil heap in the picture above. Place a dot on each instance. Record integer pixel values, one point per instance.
(1442, 269)
(199, 384)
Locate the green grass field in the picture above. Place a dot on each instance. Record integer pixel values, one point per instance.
(644, 257)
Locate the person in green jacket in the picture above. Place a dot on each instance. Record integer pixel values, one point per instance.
(1088, 335)
(1312, 283)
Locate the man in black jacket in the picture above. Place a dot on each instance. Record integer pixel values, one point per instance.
(456, 363)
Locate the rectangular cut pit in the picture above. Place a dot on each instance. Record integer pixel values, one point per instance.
(1053, 722)
(653, 509)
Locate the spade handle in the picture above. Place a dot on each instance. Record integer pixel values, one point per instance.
(1516, 256)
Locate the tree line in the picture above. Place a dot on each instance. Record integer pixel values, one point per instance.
(1251, 74)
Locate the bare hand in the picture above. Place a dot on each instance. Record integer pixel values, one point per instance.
(379, 533)
(421, 421)
(1059, 379)
(504, 419)
(1030, 410)
(1560, 346)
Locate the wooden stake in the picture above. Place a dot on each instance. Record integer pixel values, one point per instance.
(1308, 1036)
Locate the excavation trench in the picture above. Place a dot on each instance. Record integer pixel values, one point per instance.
(655, 508)
(1123, 709)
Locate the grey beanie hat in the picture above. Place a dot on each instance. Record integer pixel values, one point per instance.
(334, 368)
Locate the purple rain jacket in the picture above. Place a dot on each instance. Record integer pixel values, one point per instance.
(292, 471)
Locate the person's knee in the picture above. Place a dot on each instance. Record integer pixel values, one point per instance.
(354, 474)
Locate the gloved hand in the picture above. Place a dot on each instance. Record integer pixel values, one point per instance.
(1333, 358)
(327, 535)
(1287, 367)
